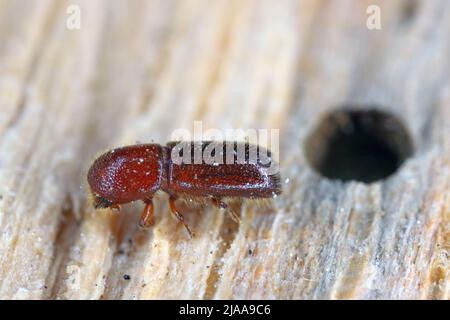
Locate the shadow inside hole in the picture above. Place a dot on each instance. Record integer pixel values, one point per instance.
(361, 145)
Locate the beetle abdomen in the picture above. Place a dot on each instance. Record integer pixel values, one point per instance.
(221, 169)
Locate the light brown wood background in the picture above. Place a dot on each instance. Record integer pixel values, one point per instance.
(137, 70)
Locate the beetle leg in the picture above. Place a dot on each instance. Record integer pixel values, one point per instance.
(234, 216)
(178, 215)
(222, 205)
(219, 203)
(147, 217)
(115, 207)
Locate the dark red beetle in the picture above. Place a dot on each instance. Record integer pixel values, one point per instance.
(204, 169)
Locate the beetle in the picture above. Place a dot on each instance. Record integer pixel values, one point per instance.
(192, 169)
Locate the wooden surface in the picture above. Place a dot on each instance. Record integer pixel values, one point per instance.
(137, 70)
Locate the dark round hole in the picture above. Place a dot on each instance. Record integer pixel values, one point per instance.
(361, 145)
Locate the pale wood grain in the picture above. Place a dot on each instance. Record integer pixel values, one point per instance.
(137, 70)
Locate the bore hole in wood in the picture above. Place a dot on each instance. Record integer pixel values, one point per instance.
(361, 145)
